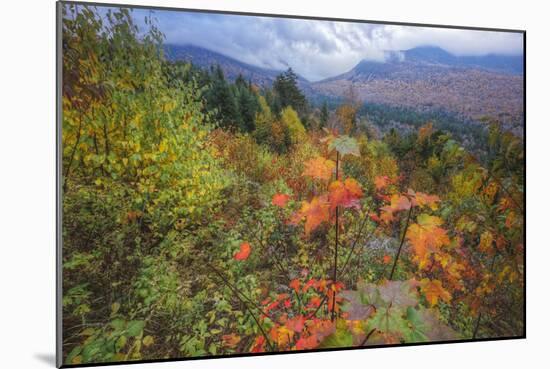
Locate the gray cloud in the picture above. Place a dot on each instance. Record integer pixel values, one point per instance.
(317, 49)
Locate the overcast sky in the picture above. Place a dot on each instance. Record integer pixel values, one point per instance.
(317, 49)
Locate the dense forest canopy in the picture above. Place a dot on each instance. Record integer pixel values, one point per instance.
(207, 216)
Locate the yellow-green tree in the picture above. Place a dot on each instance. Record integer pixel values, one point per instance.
(290, 120)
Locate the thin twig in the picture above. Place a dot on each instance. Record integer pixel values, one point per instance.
(401, 243)
(236, 292)
(318, 307)
(367, 337)
(73, 151)
(359, 233)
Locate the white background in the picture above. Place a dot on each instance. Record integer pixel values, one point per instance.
(27, 182)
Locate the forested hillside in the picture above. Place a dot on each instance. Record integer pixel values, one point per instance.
(423, 79)
(204, 215)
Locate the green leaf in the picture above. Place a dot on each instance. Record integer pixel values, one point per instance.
(213, 349)
(340, 338)
(369, 293)
(120, 343)
(426, 326)
(418, 326)
(355, 308)
(389, 320)
(135, 328)
(92, 349)
(345, 145)
(118, 325)
(73, 354)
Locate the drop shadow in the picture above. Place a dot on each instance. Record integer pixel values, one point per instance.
(46, 358)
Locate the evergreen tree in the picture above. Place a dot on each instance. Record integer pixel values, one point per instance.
(324, 114)
(247, 101)
(286, 88)
(221, 98)
(248, 106)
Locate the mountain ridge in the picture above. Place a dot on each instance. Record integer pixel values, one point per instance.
(429, 57)
(422, 77)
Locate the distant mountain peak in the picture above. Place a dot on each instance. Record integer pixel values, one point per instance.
(428, 49)
(434, 56)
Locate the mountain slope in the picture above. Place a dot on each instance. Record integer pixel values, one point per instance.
(428, 78)
(421, 78)
(231, 67)
(512, 64)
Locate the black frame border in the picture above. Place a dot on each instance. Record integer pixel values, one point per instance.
(59, 194)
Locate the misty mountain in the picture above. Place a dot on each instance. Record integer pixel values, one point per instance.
(512, 64)
(231, 67)
(421, 62)
(431, 78)
(421, 78)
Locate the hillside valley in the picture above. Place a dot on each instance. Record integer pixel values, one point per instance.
(423, 78)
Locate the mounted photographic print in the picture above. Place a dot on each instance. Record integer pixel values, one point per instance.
(241, 184)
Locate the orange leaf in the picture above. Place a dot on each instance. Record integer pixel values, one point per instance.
(282, 296)
(295, 285)
(296, 324)
(381, 182)
(421, 199)
(319, 168)
(386, 259)
(243, 252)
(231, 340)
(309, 284)
(271, 306)
(315, 212)
(346, 194)
(427, 236)
(398, 203)
(259, 344)
(307, 343)
(314, 302)
(321, 285)
(433, 290)
(374, 217)
(280, 199)
(386, 215)
(282, 335)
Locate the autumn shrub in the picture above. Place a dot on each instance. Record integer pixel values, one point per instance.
(136, 164)
(376, 160)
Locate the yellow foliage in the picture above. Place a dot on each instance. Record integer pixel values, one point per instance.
(290, 119)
